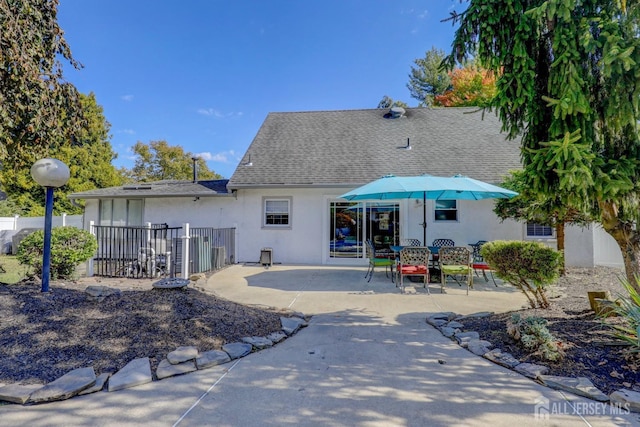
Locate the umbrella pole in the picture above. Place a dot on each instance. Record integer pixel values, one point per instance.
(424, 219)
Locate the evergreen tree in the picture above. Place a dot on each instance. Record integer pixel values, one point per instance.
(568, 77)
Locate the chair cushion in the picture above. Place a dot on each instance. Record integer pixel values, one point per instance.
(413, 269)
(452, 268)
(381, 262)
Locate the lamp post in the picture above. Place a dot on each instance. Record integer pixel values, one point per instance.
(50, 173)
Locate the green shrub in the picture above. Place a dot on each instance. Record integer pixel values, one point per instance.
(530, 266)
(70, 246)
(533, 334)
(628, 309)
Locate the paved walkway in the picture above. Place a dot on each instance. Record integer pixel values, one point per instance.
(367, 358)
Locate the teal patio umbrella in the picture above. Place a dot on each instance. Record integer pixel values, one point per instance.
(458, 187)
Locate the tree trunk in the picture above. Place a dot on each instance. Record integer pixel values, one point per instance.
(560, 244)
(628, 239)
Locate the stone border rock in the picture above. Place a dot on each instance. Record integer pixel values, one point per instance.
(451, 326)
(138, 371)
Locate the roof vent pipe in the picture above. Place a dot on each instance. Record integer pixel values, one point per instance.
(195, 169)
(396, 112)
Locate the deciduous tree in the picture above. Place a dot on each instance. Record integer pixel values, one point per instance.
(569, 86)
(158, 160)
(39, 110)
(471, 86)
(89, 157)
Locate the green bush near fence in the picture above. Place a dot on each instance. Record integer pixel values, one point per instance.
(529, 266)
(70, 246)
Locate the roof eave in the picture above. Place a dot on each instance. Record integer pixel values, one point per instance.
(283, 185)
(145, 196)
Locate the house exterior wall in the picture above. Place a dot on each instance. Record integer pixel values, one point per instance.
(301, 243)
(476, 221)
(91, 213)
(579, 246)
(605, 249)
(307, 240)
(216, 212)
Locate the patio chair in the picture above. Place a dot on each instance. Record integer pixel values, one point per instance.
(454, 261)
(410, 242)
(375, 261)
(414, 261)
(440, 243)
(479, 263)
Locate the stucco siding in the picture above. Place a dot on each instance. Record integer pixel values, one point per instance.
(216, 212)
(606, 250)
(306, 241)
(301, 243)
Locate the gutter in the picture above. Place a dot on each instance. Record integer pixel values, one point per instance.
(282, 185)
(146, 196)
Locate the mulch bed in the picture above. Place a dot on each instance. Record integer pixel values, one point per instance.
(589, 351)
(44, 336)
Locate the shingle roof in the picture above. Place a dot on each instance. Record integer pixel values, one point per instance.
(166, 188)
(352, 147)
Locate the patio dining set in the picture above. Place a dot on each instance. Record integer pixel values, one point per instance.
(452, 261)
(442, 257)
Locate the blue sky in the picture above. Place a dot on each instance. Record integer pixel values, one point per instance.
(204, 74)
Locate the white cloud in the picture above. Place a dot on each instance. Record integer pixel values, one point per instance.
(206, 156)
(212, 112)
(127, 98)
(128, 131)
(126, 152)
(423, 14)
(221, 157)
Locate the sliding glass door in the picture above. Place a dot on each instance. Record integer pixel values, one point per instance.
(383, 226)
(351, 223)
(346, 230)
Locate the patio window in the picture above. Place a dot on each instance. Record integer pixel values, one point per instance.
(446, 210)
(277, 212)
(537, 230)
(121, 212)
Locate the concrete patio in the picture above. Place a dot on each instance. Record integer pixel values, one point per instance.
(367, 358)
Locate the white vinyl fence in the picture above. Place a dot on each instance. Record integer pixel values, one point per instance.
(12, 226)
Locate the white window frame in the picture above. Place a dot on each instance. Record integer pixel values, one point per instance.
(540, 231)
(453, 209)
(288, 212)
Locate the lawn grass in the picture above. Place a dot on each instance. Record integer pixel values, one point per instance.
(13, 270)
